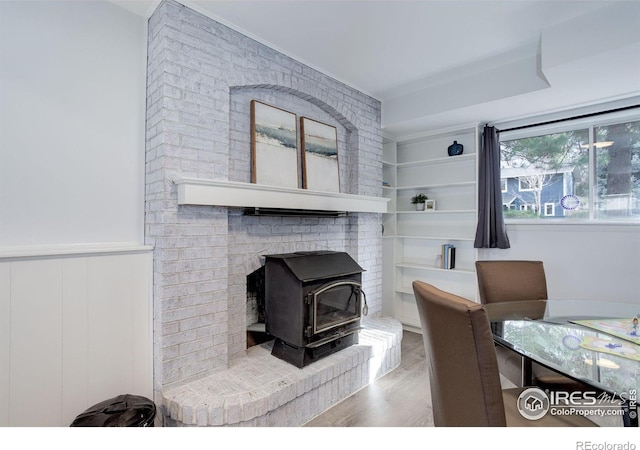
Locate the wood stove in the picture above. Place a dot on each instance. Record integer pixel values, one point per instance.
(313, 304)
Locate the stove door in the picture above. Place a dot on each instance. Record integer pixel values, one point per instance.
(335, 305)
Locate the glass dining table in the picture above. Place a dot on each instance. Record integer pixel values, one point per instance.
(595, 343)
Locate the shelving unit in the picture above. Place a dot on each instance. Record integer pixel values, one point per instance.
(389, 179)
(389, 186)
(412, 240)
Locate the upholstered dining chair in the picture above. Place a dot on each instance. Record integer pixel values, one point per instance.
(462, 366)
(511, 280)
(524, 282)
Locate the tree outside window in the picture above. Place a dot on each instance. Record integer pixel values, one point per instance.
(618, 170)
(589, 173)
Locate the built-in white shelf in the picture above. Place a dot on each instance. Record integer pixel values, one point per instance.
(446, 159)
(413, 240)
(440, 185)
(197, 191)
(450, 211)
(408, 265)
(439, 238)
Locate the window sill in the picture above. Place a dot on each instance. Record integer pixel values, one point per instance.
(573, 225)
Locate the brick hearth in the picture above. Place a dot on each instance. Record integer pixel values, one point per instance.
(262, 390)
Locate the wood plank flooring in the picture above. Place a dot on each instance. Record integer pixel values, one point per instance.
(398, 399)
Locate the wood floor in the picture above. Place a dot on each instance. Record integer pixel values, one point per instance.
(399, 399)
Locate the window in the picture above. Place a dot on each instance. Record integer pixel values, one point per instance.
(549, 209)
(503, 184)
(587, 169)
(526, 184)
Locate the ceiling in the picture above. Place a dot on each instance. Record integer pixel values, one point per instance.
(436, 64)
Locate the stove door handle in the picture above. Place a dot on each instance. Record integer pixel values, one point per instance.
(326, 287)
(365, 308)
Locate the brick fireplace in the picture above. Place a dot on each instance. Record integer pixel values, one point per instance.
(201, 78)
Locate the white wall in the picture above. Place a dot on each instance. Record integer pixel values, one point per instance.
(75, 277)
(72, 84)
(582, 262)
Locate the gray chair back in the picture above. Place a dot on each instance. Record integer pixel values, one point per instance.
(511, 280)
(463, 369)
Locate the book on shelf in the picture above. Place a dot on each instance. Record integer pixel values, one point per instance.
(448, 256)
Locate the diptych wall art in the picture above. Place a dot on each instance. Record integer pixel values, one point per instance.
(275, 160)
(319, 143)
(274, 150)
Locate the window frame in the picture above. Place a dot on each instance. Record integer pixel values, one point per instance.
(559, 126)
(553, 209)
(523, 189)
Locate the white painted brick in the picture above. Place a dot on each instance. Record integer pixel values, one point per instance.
(205, 133)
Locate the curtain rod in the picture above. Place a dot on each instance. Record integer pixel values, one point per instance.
(583, 116)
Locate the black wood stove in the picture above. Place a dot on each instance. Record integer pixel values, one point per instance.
(313, 304)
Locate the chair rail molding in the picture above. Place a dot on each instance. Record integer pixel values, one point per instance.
(198, 191)
(63, 250)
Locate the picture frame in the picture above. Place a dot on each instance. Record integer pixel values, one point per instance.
(430, 205)
(320, 167)
(274, 146)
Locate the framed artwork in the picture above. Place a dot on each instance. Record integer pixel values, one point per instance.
(319, 156)
(274, 150)
(430, 205)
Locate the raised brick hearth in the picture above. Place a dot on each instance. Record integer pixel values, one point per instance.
(261, 390)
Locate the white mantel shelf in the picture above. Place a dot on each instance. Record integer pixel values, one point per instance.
(197, 191)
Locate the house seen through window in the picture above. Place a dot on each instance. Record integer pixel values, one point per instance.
(588, 171)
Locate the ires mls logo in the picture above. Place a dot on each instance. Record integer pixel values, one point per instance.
(534, 403)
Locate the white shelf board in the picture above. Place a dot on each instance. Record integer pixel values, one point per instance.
(427, 267)
(439, 238)
(198, 191)
(433, 186)
(440, 211)
(446, 159)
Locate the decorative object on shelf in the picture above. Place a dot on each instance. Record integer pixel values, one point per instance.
(438, 262)
(448, 256)
(455, 149)
(274, 151)
(319, 156)
(430, 205)
(419, 200)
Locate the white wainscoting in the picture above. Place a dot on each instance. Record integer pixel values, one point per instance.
(75, 329)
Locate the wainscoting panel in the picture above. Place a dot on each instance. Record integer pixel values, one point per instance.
(36, 343)
(75, 336)
(5, 340)
(75, 329)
